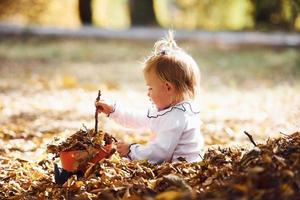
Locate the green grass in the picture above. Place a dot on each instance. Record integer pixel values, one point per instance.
(121, 60)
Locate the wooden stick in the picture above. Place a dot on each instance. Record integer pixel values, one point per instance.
(250, 138)
(96, 113)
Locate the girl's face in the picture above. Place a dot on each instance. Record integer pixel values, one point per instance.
(161, 93)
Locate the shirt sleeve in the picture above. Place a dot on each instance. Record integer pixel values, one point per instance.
(163, 146)
(130, 118)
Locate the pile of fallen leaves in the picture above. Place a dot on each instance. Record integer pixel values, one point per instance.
(81, 140)
(268, 171)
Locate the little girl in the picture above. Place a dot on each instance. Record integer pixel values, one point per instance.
(172, 77)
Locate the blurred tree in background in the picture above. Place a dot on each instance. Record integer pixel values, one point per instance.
(142, 13)
(187, 14)
(85, 12)
(276, 13)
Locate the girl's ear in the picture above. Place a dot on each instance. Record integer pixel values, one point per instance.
(169, 86)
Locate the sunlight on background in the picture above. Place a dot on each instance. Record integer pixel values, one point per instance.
(111, 13)
(58, 13)
(190, 14)
(297, 23)
(182, 14)
(61, 13)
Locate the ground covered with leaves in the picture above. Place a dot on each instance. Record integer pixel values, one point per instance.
(48, 88)
(267, 171)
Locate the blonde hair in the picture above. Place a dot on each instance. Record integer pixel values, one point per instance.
(174, 65)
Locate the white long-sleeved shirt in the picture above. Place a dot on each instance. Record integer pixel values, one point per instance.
(176, 130)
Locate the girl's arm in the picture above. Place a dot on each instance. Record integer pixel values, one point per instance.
(124, 116)
(163, 146)
(129, 118)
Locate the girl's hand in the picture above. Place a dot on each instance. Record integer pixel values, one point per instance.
(123, 149)
(103, 107)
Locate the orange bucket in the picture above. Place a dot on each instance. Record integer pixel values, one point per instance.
(71, 164)
(101, 154)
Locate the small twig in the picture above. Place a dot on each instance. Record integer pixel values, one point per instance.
(202, 158)
(96, 113)
(86, 129)
(286, 135)
(250, 138)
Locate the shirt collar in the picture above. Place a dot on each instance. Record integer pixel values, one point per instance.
(185, 106)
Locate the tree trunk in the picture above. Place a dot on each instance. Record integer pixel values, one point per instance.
(85, 12)
(269, 14)
(142, 13)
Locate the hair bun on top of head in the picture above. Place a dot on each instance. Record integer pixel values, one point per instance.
(165, 45)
